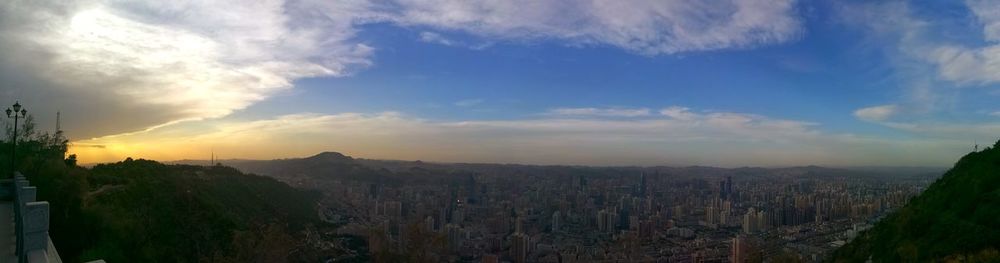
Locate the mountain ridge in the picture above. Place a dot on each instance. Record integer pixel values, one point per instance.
(334, 155)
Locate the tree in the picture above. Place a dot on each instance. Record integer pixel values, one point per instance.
(24, 133)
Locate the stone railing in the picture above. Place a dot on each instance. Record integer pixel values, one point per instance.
(31, 223)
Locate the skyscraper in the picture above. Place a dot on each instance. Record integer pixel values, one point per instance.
(642, 185)
(455, 236)
(729, 188)
(555, 221)
(520, 247)
(738, 250)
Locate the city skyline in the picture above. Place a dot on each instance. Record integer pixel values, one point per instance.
(727, 83)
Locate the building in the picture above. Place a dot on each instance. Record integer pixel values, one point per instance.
(555, 221)
(607, 221)
(739, 250)
(755, 221)
(455, 236)
(520, 246)
(491, 258)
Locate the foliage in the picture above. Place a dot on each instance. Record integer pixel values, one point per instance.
(151, 212)
(145, 211)
(956, 217)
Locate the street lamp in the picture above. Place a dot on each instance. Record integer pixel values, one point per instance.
(16, 113)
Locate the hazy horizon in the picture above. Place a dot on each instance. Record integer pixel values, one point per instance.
(221, 159)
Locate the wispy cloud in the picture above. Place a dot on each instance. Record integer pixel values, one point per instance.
(988, 14)
(602, 112)
(963, 64)
(469, 102)
(968, 66)
(933, 68)
(431, 37)
(876, 113)
(647, 27)
(958, 131)
(679, 113)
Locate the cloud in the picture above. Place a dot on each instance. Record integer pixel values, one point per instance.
(436, 38)
(876, 113)
(141, 64)
(679, 113)
(469, 102)
(930, 129)
(931, 58)
(125, 66)
(949, 130)
(647, 27)
(968, 65)
(972, 63)
(988, 14)
(995, 114)
(431, 37)
(84, 145)
(603, 112)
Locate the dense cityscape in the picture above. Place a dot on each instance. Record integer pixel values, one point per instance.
(550, 214)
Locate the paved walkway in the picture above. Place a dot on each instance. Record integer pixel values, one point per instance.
(7, 238)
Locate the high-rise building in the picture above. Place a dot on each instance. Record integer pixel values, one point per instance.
(641, 188)
(555, 221)
(455, 236)
(750, 221)
(520, 243)
(722, 190)
(738, 250)
(491, 258)
(429, 223)
(602, 220)
(520, 246)
(458, 216)
(711, 215)
(518, 225)
(372, 191)
(394, 209)
(729, 188)
(504, 226)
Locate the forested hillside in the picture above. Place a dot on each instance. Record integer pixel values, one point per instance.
(956, 219)
(145, 211)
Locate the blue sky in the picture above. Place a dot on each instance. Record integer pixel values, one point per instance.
(722, 82)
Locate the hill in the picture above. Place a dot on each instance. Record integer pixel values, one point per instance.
(956, 219)
(315, 171)
(146, 211)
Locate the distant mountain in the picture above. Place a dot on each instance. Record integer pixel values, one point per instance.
(326, 167)
(956, 219)
(315, 171)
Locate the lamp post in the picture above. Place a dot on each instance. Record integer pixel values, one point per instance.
(16, 113)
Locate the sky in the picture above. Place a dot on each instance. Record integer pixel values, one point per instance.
(682, 82)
